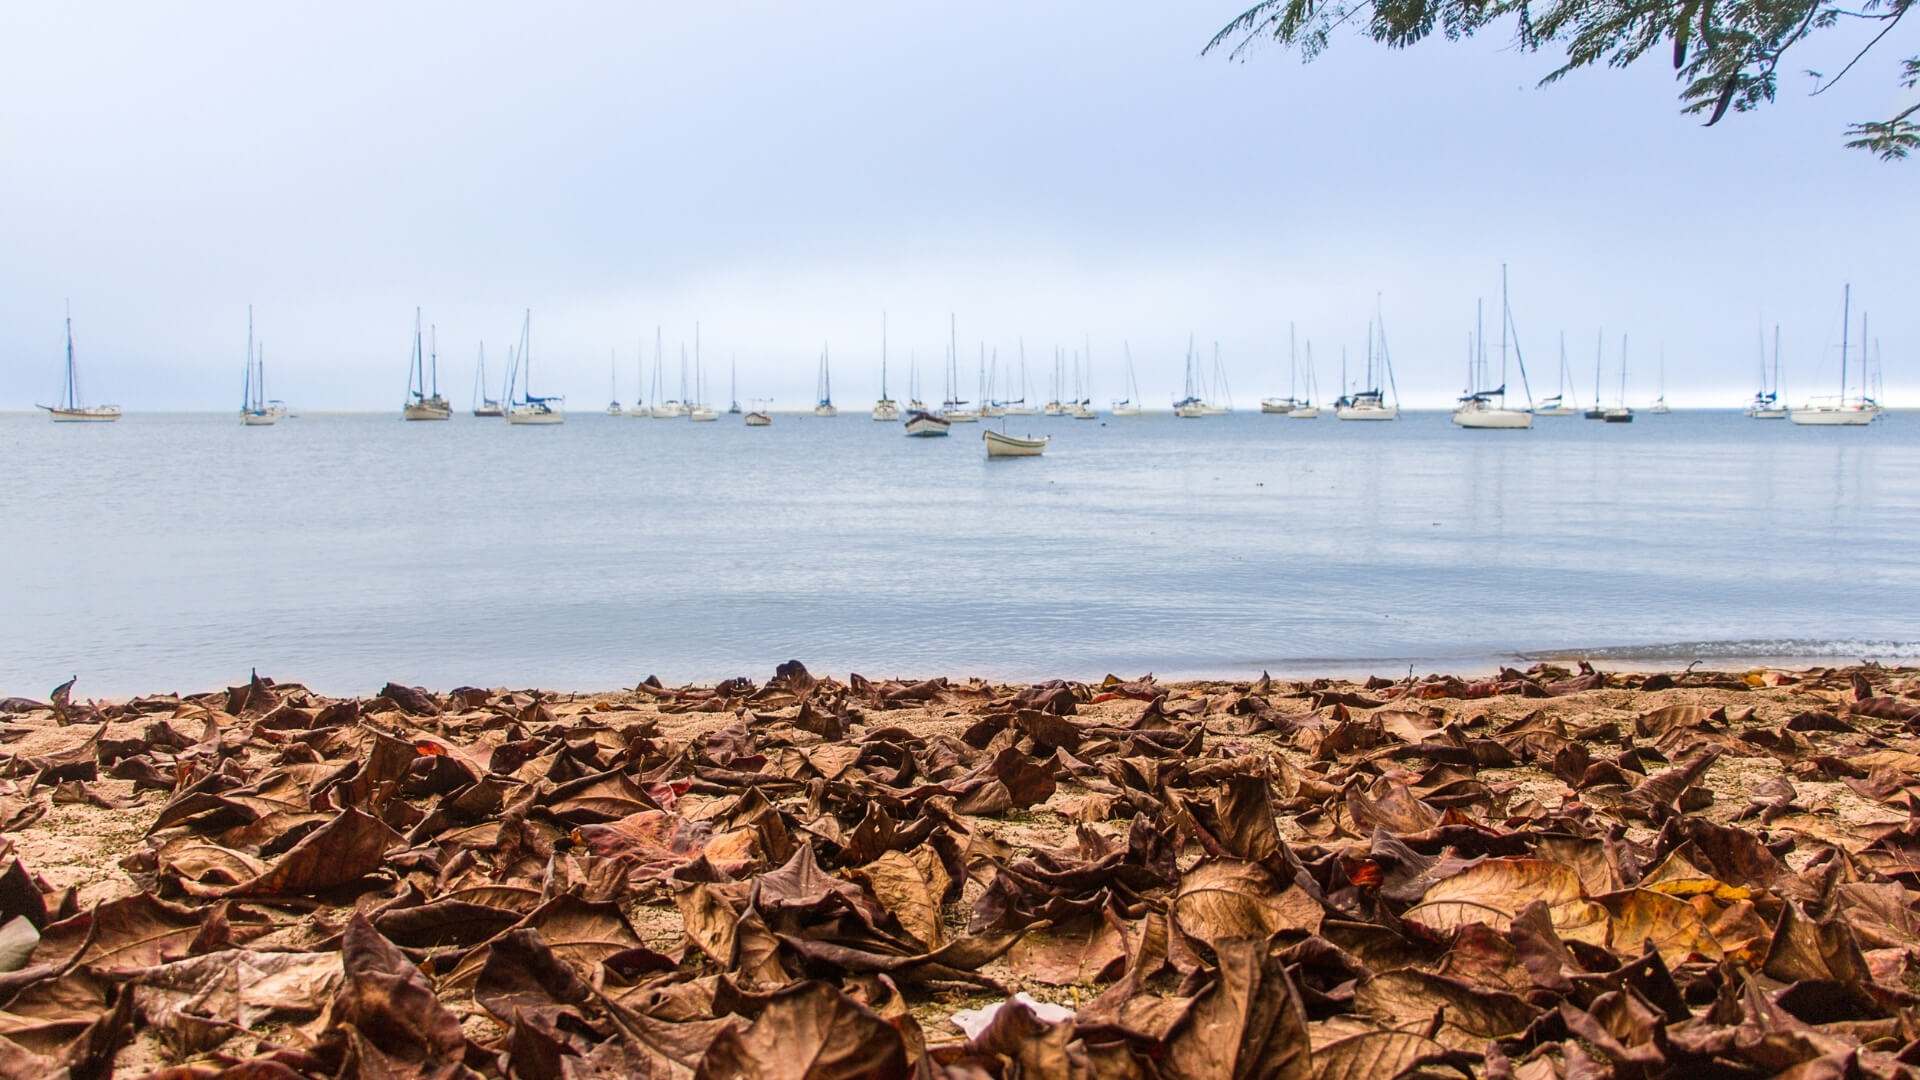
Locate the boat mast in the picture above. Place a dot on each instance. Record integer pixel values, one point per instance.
(73, 378)
(1563, 367)
(1370, 382)
(1776, 360)
(1599, 347)
(1505, 314)
(1386, 357)
(1846, 317)
(1623, 371)
(1293, 367)
(1477, 348)
(433, 338)
(246, 394)
(883, 356)
(1863, 356)
(416, 384)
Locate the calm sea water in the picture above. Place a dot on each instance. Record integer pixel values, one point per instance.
(177, 552)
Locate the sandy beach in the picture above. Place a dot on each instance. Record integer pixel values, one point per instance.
(1547, 873)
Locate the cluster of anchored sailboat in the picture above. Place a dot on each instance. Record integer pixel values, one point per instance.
(1484, 405)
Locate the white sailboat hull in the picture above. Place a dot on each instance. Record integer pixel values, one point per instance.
(1493, 419)
(1557, 410)
(703, 415)
(825, 411)
(1001, 445)
(489, 410)
(1831, 417)
(1189, 412)
(258, 419)
(1366, 412)
(1766, 414)
(433, 408)
(1018, 410)
(1126, 410)
(1082, 412)
(960, 416)
(1276, 408)
(1304, 412)
(886, 411)
(89, 414)
(521, 414)
(759, 419)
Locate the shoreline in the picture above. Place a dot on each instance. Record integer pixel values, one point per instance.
(1623, 661)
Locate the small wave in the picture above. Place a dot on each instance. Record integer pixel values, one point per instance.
(1766, 649)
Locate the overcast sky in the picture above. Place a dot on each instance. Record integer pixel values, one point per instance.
(784, 173)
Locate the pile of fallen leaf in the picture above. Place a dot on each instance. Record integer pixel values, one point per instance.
(1546, 874)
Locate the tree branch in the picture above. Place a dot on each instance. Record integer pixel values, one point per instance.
(1884, 31)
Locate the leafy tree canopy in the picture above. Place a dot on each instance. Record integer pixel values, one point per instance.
(1727, 52)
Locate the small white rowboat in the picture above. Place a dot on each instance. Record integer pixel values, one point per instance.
(1000, 445)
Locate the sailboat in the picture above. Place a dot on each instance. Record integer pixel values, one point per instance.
(1842, 411)
(529, 408)
(922, 422)
(950, 409)
(760, 416)
(71, 411)
(698, 411)
(1483, 409)
(253, 400)
(664, 408)
(639, 411)
(482, 404)
(613, 383)
(1659, 406)
(885, 409)
(1620, 414)
(1599, 411)
(1557, 405)
(1055, 402)
(1081, 407)
(1283, 406)
(733, 384)
(1209, 406)
(423, 381)
(1305, 409)
(914, 404)
(1766, 402)
(1371, 403)
(1190, 406)
(1018, 406)
(1129, 405)
(991, 406)
(825, 388)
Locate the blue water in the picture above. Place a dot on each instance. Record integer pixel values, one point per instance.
(180, 551)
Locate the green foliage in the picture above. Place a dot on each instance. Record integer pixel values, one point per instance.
(1726, 53)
